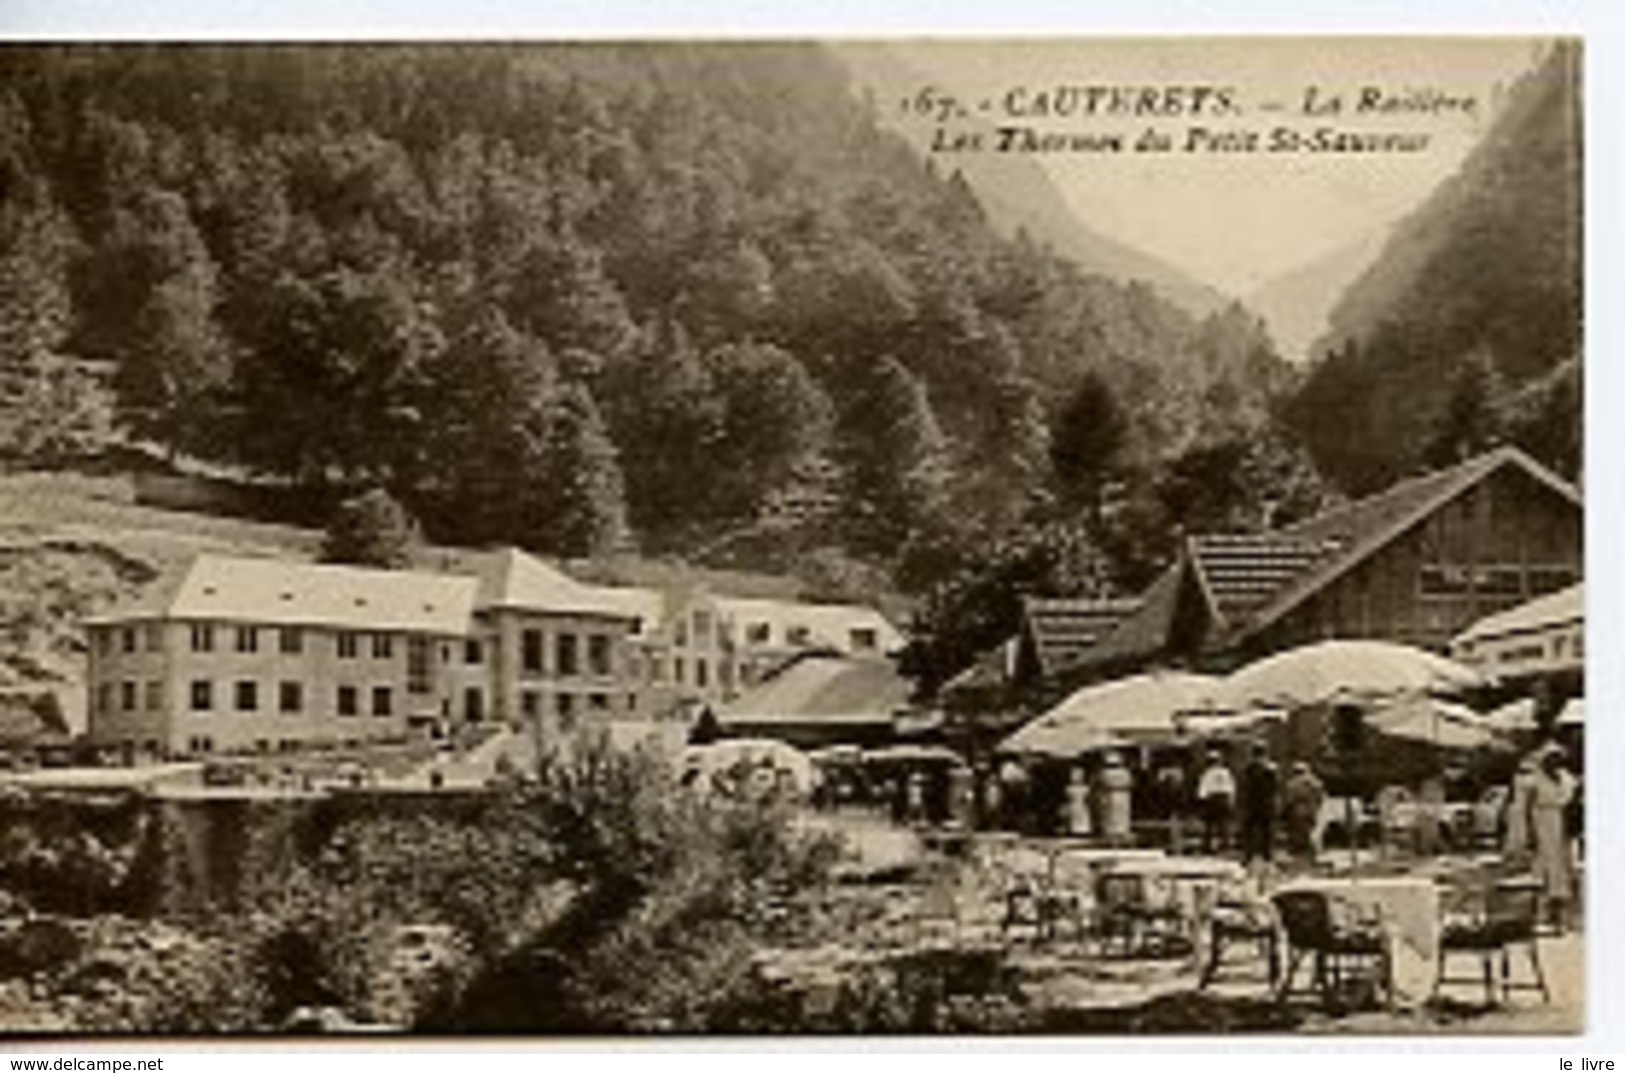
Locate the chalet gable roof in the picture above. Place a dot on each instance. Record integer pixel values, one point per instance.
(1063, 630)
(1363, 527)
(1246, 583)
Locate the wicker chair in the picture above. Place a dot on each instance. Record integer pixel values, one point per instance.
(1312, 928)
(1510, 913)
(1235, 923)
(1125, 910)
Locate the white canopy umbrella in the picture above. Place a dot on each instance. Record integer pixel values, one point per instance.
(1437, 722)
(1515, 715)
(1573, 713)
(1331, 672)
(1145, 707)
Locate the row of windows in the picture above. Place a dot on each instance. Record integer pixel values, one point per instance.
(564, 704)
(245, 697)
(1509, 580)
(291, 698)
(860, 638)
(290, 641)
(132, 696)
(566, 653)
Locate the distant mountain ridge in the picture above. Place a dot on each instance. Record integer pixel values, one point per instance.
(1297, 304)
(1020, 195)
(1476, 295)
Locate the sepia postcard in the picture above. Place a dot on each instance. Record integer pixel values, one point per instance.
(1015, 536)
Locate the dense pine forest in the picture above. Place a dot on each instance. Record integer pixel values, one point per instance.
(686, 299)
(694, 301)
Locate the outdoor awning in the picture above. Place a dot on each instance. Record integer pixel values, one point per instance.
(1514, 715)
(1144, 708)
(1545, 635)
(913, 754)
(1573, 713)
(1332, 672)
(1434, 722)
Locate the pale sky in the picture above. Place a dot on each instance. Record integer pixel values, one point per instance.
(1235, 220)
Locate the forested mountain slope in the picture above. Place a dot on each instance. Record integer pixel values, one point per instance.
(1467, 327)
(686, 298)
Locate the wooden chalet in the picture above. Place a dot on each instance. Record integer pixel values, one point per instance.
(1416, 564)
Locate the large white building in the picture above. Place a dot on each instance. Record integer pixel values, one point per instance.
(261, 655)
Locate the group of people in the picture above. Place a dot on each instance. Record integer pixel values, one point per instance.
(1251, 801)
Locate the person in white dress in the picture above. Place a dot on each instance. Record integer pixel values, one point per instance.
(1549, 793)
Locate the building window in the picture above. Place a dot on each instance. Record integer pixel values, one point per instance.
(657, 669)
(678, 672)
(598, 702)
(598, 654)
(1499, 581)
(127, 638)
(290, 697)
(383, 700)
(127, 697)
(865, 639)
(248, 696)
(347, 646)
(567, 711)
(631, 702)
(473, 705)
(248, 639)
(418, 651)
(202, 637)
(104, 698)
(347, 700)
(798, 635)
(759, 633)
(567, 658)
(1444, 580)
(155, 637)
(104, 641)
(472, 652)
(383, 646)
(291, 640)
(1544, 579)
(702, 628)
(530, 651)
(155, 696)
(529, 702)
(680, 632)
(702, 674)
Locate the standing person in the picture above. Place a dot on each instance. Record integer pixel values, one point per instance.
(1303, 798)
(1013, 784)
(1549, 793)
(1116, 799)
(1515, 844)
(1079, 822)
(1430, 814)
(1171, 790)
(1216, 796)
(1260, 786)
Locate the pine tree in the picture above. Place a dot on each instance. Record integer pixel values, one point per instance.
(895, 457)
(371, 529)
(1474, 417)
(584, 482)
(1086, 443)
